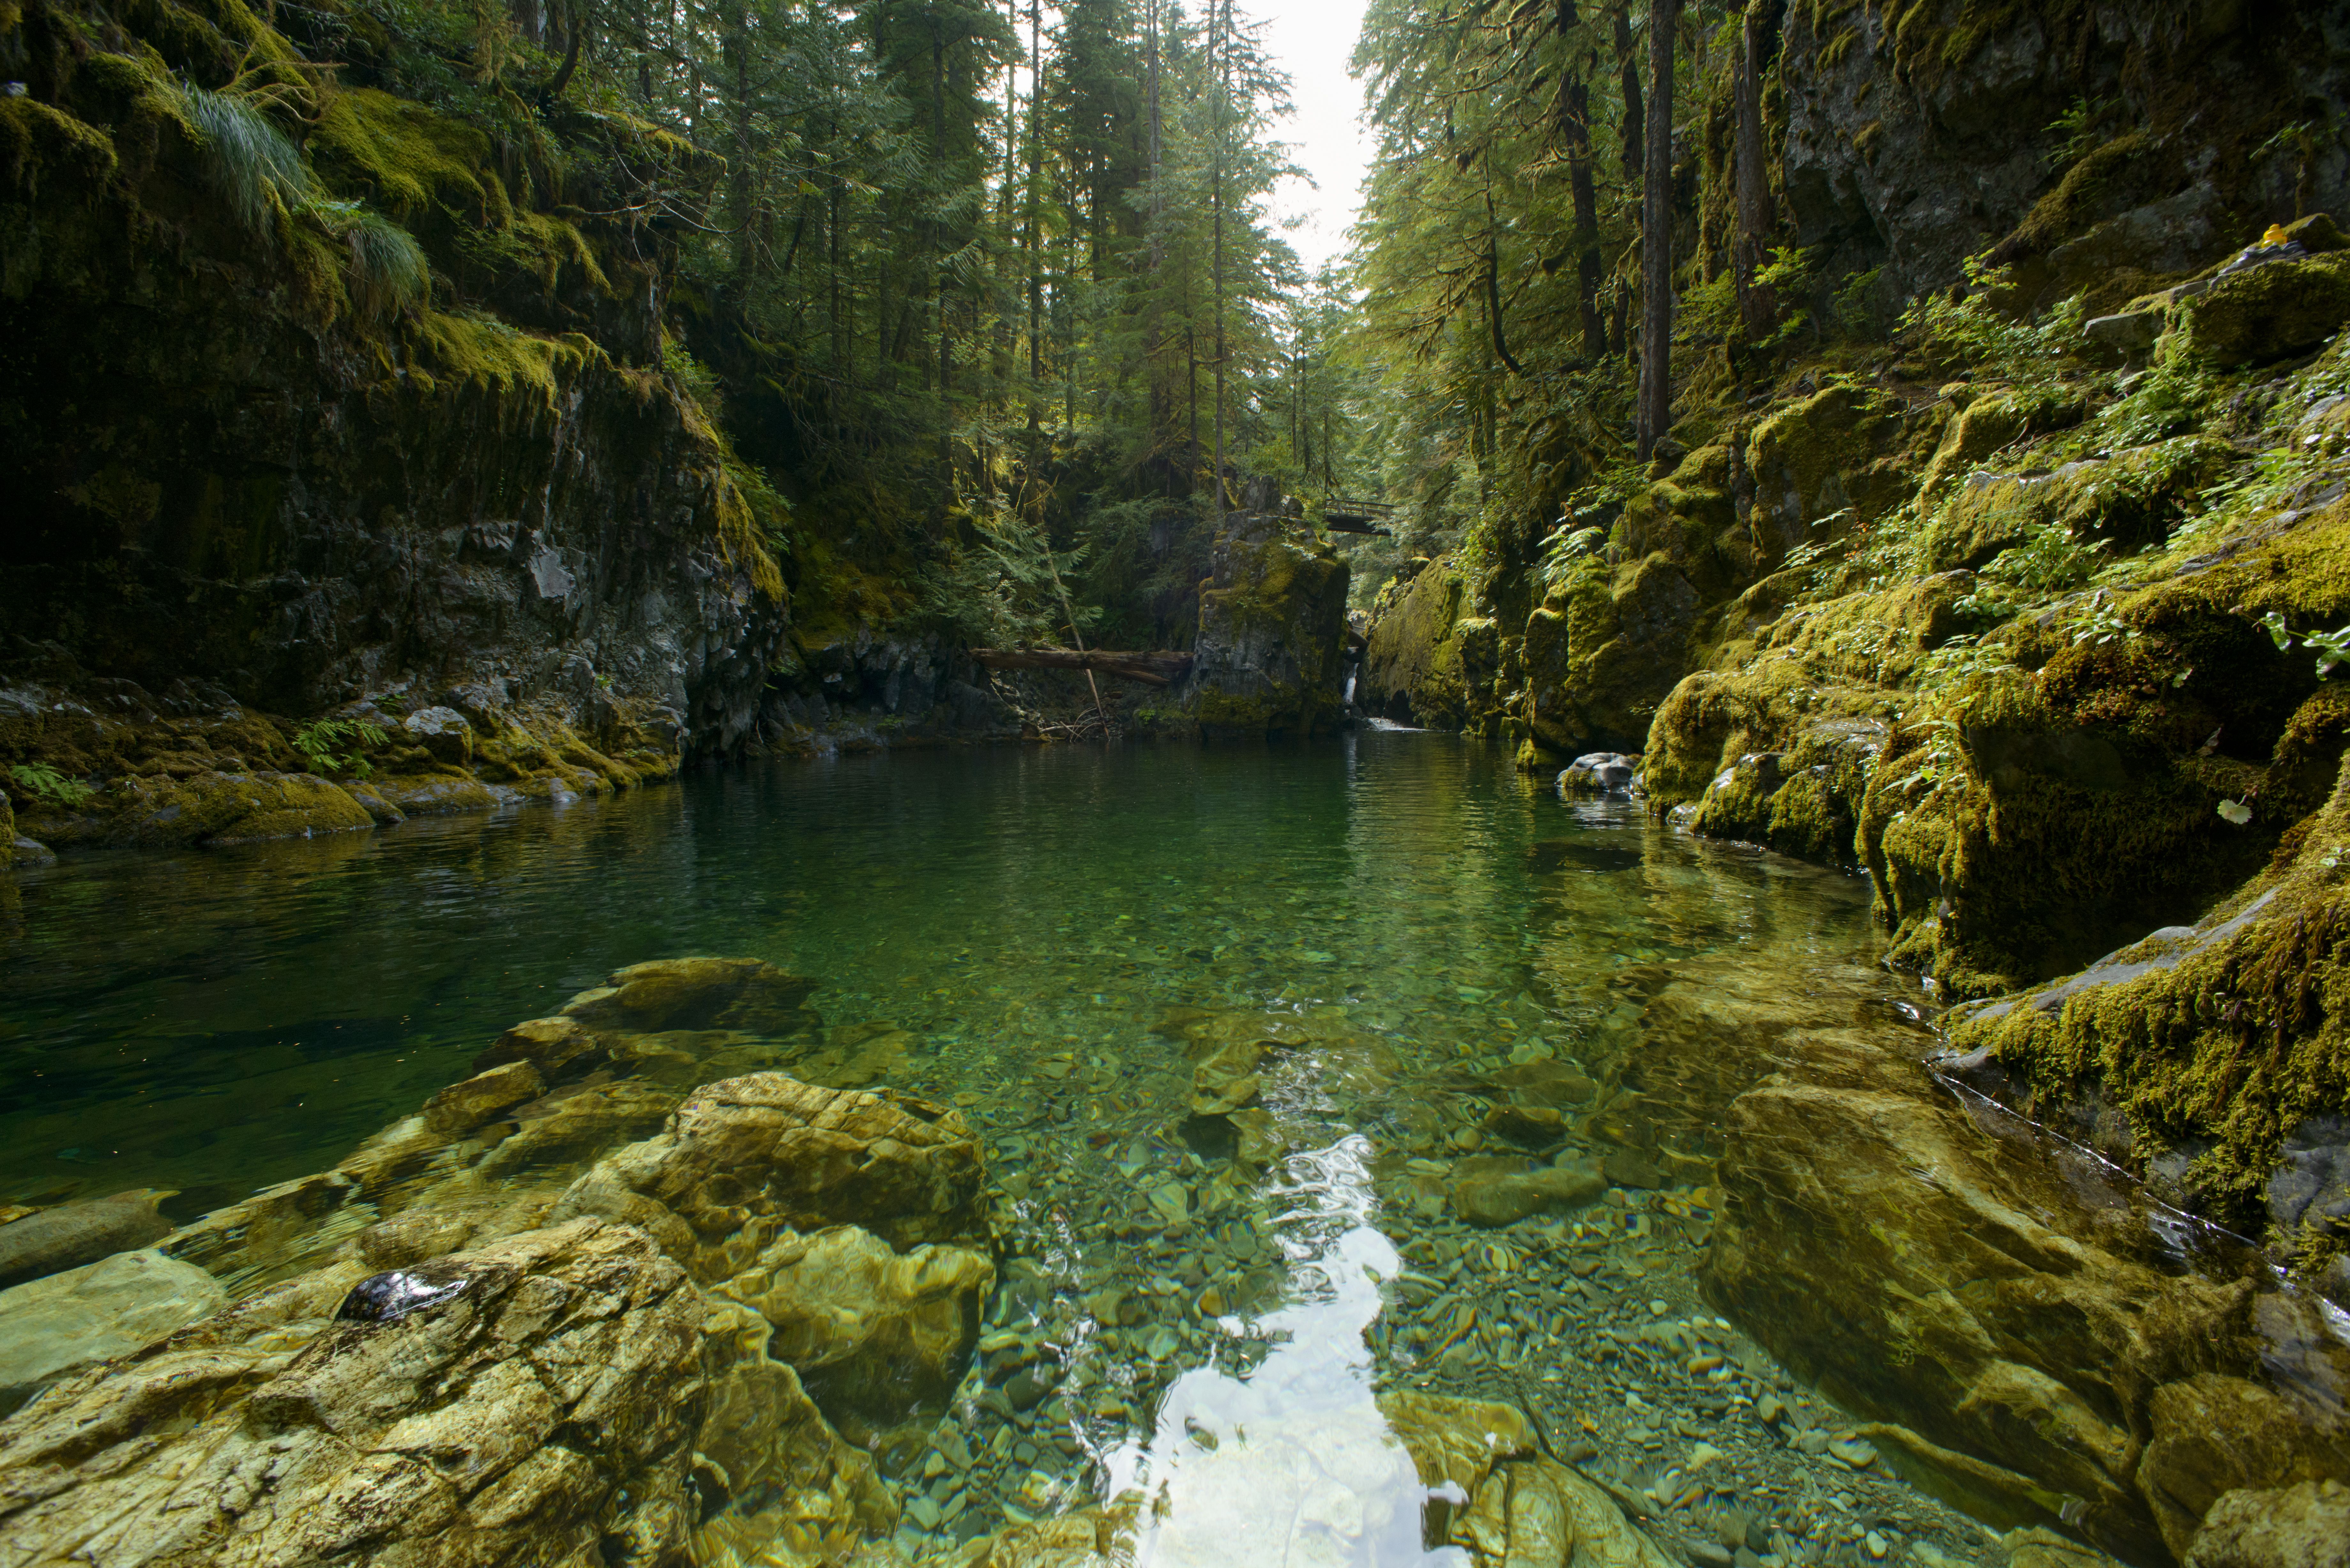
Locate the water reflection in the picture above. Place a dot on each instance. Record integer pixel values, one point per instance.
(1290, 1465)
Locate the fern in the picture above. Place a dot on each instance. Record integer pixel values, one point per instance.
(44, 783)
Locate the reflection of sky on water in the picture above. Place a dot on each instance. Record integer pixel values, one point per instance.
(1292, 1466)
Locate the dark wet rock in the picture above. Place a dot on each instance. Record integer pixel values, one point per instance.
(442, 732)
(391, 1296)
(2312, 1183)
(1270, 655)
(1599, 773)
(58, 1324)
(72, 1234)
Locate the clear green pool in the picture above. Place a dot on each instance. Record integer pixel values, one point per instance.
(1044, 926)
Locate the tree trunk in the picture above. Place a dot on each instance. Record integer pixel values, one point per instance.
(1757, 309)
(1629, 65)
(1657, 233)
(1217, 87)
(1493, 284)
(1574, 123)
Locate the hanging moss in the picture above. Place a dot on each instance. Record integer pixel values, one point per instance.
(37, 143)
(487, 352)
(409, 158)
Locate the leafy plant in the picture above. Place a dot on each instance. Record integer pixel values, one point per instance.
(2076, 130)
(1568, 548)
(1856, 305)
(43, 782)
(323, 744)
(1968, 324)
(2099, 623)
(2048, 561)
(2332, 648)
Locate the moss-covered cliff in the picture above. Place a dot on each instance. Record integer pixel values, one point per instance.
(321, 402)
(2026, 604)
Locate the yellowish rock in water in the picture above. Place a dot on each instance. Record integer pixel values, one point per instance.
(278, 1433)
(868, 1327)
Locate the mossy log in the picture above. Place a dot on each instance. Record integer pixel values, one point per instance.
(1155, 669)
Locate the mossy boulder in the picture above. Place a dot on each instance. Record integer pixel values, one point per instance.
(2214, 1041)
(1604, 650)
(1415, 667)
(2265, 312)
(1835, 451)
(1270, 658)
(1990, 423)
(213, 808)
(2129, 501)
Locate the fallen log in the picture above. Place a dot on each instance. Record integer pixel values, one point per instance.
(1155, 669)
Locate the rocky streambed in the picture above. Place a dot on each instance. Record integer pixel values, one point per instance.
(681, 1275)
(1579, 1196)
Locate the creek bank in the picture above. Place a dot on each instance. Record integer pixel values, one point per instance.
(2033, 650)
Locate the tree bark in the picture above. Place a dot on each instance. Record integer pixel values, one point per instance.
(1575, 124)
(1629, 65)
(1657, 233)
(1757, 308)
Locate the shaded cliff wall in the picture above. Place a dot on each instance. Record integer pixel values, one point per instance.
(224, 465)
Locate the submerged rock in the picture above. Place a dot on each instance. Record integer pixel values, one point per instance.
(2302, 1526)
(750, 1156)
(694, 993)
(52, 1239)
(61, 1323)
(867, 1328)
(1877, 1243)
(1502, 1189)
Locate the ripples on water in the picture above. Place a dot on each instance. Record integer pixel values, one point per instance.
(1024, 923)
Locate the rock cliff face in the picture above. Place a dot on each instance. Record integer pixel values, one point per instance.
(391, 438)
(1270, 657)
(1917, 136)
(2026, 607)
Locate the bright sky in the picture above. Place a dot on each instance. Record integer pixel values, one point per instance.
(1312, 40)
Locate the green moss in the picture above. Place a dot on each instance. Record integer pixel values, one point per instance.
(2232, 1039)
(487, 352)
(409, 158)
(2092, 190)
(1411, 659)
(37, 143)
(1836, 453)
(538, 245)
(2265, 312)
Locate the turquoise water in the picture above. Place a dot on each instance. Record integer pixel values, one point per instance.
(1043, 937)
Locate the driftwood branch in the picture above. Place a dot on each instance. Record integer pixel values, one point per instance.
(1155, 669)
